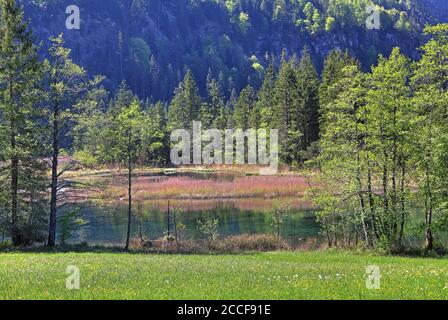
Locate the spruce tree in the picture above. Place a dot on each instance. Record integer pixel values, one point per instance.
(243, 108)
(266, 102)
(67, 83)
(186, 104)
(20, 74)
(308, 90)
(332, 72)
(287, 113)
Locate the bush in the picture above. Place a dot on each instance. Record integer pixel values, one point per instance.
(32, 233)
(6, 245)
(248, 242)
(232, 244)
(86, 158)
(209, 227)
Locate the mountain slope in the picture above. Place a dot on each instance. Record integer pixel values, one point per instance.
(151, 43)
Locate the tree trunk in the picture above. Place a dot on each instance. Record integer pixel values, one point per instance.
(402, 199)
(365, 225)
(386, 199)
(15, 233)
(394, 179)
(429, 239)
(371, 200)
(372, 216)
(54, 179)
(428, 220)
(128, 236)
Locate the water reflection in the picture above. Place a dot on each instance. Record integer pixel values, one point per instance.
(108, 225)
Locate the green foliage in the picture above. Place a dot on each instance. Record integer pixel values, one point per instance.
(140, 53)
(209, 227)
(278, 215)
(66, 84)
(289, 113)
(244, 108)
(71, 223)
(308, 89)
(22, 173)
(157, 42)
(186, 104)
(381, 133)
(430, 81)
(377, 135)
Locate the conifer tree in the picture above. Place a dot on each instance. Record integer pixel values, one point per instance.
(287, 113)
(266, 102)
(20, 88)
(244, 107)
(67, 83)
(186, 104)
(332, 72)
(308, 90)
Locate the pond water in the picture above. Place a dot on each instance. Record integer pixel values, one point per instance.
(247, 212)
(108, 226)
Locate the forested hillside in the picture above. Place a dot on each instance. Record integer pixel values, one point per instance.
(373, 135)
(151, 44)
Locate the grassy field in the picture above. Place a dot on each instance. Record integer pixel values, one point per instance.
(279, 275)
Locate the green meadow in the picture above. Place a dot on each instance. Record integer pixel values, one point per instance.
(276, 275)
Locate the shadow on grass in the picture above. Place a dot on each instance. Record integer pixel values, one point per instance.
(85, 248)
(438, 252)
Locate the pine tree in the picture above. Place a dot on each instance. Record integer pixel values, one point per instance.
(20, 74)
(123, 97)
(287, 113)
(266, 102)
(212, 107)
(216, 100)
(186, 104)
(308, 89)
(67, 82)
(243, 108)
(155, 135)
(343, 147)
(334, 64)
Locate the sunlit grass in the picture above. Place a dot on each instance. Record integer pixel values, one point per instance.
(281, 275)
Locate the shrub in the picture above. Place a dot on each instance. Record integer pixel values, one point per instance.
(6, 245)
(86, 158)
(209, 227)
(232, 244)
(248, 242)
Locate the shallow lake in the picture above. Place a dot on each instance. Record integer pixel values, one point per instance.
(241, 204)
(108, 226)
(200, 196)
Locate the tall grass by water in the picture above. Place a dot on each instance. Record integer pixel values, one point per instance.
(185, 187)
